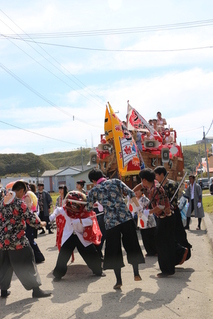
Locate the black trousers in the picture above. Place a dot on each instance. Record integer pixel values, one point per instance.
(165, 243)
(45, 219)
(180, 238)
(101, 224)
(89, 254)
(22, 262)
(39, 257)
(149, 241)
(126, 232)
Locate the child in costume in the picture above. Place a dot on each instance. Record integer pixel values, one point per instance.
(32, 201)
(81, 230)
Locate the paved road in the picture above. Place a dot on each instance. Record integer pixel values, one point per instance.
(187, 294)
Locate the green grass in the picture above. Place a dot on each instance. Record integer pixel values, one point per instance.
(208, 204)
(207, 201)
(205, 191)
(54, 197)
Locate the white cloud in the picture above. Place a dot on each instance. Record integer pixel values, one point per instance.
(179, 84)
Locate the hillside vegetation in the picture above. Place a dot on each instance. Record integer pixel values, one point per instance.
(193, 154)
(65, 159)
(23, 164)
(29, 163)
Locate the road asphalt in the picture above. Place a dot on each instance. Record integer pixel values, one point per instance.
(80, 295)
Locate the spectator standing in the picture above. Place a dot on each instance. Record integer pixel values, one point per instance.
(194, 195)
(44, 204)
(80, 186)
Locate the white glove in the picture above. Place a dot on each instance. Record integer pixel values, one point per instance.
(76, 221)
(146, 212)
(198, 205)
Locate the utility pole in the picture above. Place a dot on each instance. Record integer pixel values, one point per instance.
(82, 162)
(207, 163)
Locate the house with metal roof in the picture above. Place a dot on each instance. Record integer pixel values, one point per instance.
(68, 176)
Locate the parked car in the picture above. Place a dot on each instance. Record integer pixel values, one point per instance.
(203, 182)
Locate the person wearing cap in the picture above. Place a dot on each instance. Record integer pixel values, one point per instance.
(44, 204)
(194, 195)
(80, 186)
(16, 253)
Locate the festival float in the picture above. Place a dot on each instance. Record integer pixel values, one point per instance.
(122, 155)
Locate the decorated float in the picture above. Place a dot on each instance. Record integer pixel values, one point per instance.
(129, 146)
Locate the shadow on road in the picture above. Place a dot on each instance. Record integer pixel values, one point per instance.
(135, 302)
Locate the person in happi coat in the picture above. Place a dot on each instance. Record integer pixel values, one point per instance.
(81, 231)
(119, 223)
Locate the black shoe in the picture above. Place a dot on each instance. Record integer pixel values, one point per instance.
(38, 293)
(186, 227)
(117, 286)
(5, 293)
(42, 232)
(56, 279)
(51, 232)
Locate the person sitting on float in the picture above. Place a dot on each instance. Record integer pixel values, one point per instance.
(148, 136)
(150, 122)
(167, 138)
(154, 123)
(161, 122)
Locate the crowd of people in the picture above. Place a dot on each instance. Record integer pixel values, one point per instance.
(158, 125)
(85, 221)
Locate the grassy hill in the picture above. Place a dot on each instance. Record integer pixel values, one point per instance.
(23, 164)
(65, 159)
(193, 154)
(29, 163)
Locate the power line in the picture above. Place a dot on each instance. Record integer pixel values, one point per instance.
(116, 50)
(209, 128)
(103, 32)
(43, 97)
(51, 138)
(82, 86)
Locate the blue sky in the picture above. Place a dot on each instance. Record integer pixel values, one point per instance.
(44, 85)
